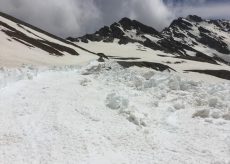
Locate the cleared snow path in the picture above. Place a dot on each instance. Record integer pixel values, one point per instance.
(102, 115)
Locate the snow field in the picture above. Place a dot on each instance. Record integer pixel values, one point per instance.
(102, 113)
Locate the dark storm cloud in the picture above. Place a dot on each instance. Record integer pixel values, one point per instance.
(77, 17)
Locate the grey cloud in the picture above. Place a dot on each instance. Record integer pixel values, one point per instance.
(77, 17)
(205, 10)
(184, 2)
(154, 13)
(63, 18)
(150, 12)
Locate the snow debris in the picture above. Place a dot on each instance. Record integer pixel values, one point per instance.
(115, 101)
(174, 83)
(202, 113)
(84, 82)
(216, 115)
(213, 101)
(28, 72)
(9, 76)
(137, 118)
(148, 75)
(212, 113)
(226, 116)
(179, 105)
(103, 113)
(93, 67)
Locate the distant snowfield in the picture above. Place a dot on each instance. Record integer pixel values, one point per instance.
(95, 114)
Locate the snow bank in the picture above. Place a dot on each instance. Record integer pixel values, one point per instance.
(93, 68)
(115, 101)
(135, 116)
(143, 78)
(28, 72)
(210, 100)
(8, 76)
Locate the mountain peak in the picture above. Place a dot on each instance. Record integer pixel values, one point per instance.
(125, 20)
(126, 23)
(125, 30)
(129, 24)
(182, 37)
(194, 18)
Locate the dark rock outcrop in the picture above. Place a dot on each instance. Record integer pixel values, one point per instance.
(215, 43)
(155, 66)
(223, 74)
(194, 18)
(51, 48)
(117, 31)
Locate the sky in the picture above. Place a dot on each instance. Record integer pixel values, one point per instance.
(78, 17)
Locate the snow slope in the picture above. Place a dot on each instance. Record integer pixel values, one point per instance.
(135, 52)
(192, 46)
(102, 113)
(128, 41)
(21, 43)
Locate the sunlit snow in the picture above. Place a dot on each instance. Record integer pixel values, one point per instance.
(102, 113)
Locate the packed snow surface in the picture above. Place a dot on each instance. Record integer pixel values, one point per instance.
(102, 113)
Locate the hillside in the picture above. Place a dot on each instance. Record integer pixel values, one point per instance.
(189, 45)
(21, 43)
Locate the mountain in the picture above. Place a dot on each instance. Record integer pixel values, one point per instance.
(22, 43)
(112, 111)
(211, 37)
(125, 30)
(197, 45)
(188, 46)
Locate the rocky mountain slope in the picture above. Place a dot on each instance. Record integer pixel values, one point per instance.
(191, 41)
(189, 46)
(212, 37)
